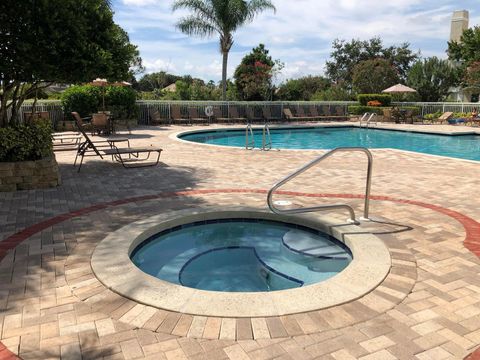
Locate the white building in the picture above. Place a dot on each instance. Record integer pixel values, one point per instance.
(460, 23)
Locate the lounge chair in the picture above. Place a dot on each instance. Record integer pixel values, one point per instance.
(289, 116)
(156, 119)
(217, 114)
(66, 141)
(267, 114)
(251, 117)
(129, 157)
(195, 117)
(303, 115)
(314, 112)
(176, 115)
(444, 117)
(234, 115)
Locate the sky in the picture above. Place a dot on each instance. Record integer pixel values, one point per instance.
(299, 34)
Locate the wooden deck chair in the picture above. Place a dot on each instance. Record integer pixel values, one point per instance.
(195, 117)
(176, 115)
(128, 156)
(234, 115)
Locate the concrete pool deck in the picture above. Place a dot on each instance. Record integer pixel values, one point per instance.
(53, 306)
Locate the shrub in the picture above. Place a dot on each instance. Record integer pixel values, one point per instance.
(120, 100)
(384, 99)
(26, 142)
(360, 109)
(84, 99)
(88, 99)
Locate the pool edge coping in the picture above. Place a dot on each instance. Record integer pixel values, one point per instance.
(112, 266)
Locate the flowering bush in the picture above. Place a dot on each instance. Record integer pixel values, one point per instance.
(374, 103)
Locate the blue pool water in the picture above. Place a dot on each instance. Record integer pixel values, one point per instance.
(241, 255)
(458, 146)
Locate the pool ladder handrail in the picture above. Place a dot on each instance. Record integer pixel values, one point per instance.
(311, 164)
(266, 138)
(249, 144)
(250, 139)
(371, 118)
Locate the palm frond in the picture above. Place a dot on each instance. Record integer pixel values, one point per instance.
(257, 6)
(200, 8)
(193, 25)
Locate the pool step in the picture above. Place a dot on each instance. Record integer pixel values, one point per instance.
(308, 244)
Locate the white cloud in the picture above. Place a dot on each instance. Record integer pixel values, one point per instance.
(299, 34)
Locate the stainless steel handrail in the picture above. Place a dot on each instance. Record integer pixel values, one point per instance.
(364, 116)
(249, 145)
(332, 206)
(266, 144)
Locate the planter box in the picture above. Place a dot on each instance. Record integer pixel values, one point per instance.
(27, 175)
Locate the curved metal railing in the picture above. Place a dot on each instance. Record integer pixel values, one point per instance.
(249, 142)
(311, 164)
(266, 138)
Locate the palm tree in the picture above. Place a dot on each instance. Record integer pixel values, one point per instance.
(222, 17)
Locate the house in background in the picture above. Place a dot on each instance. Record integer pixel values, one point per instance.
(460, 23)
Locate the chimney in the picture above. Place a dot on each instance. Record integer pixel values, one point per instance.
(459, 24)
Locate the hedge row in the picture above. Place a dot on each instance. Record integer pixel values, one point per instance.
(360, 110)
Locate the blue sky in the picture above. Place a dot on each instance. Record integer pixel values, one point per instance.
(300, 34)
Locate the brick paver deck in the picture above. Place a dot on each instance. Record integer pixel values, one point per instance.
(52, 306)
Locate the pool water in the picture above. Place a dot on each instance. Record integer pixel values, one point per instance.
(456, 146)
(241, 255)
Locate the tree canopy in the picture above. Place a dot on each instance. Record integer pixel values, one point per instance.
(432, 78)
(373, 76)
(468, 49)
(66, 41)
(345, 55)
(209, 17)
(303, 88)
(253, 77)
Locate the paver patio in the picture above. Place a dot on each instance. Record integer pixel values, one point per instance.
(428, 307)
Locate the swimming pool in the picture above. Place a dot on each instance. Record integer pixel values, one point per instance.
(456, 146)
(242, 255)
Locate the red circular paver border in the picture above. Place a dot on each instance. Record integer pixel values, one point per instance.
(471, 241)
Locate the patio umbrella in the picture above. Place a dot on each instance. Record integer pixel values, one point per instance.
(102, 83)
(399, 89)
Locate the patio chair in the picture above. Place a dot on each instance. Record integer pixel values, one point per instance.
(234, 115)
(176, 115)
(251, 117)
(267, 114)
(289, 116)
(326, 113)
(126, 156)
(195, 117)
(303, 115)
(100, 124)
(155, 118)
(217, 114)
(314, 112)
